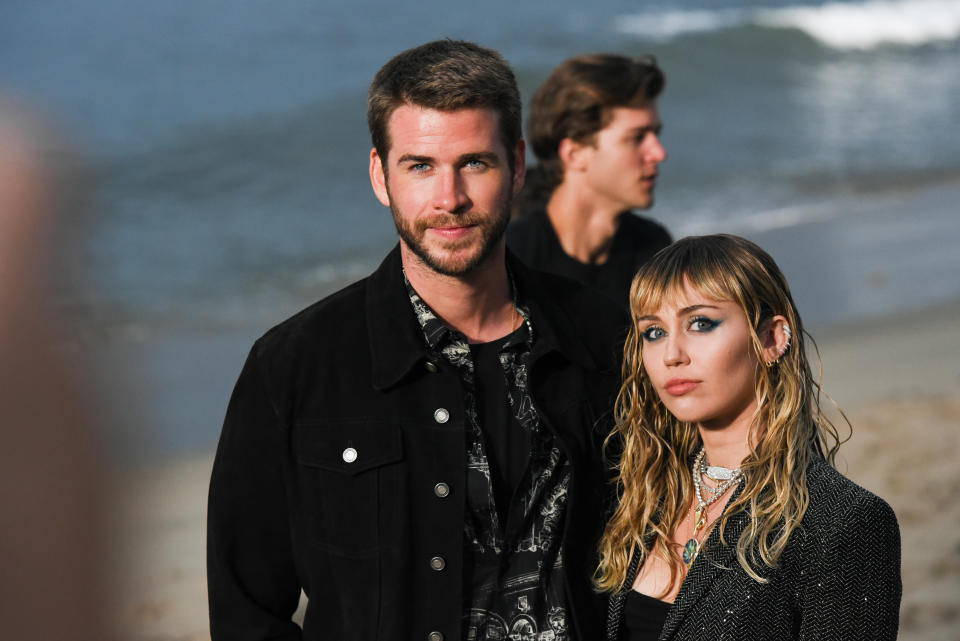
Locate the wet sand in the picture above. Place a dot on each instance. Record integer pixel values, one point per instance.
(897, 378)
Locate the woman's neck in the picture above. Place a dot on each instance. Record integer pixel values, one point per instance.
(726, 447)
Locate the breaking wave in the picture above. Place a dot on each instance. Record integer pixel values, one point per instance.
(848, 26)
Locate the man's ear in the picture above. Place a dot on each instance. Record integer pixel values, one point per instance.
(519, 166)
(574, 155)
(775, 339)
(378, 178)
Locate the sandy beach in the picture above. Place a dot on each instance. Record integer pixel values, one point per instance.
(895, 377)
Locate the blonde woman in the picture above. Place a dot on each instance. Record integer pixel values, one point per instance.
(732, 522)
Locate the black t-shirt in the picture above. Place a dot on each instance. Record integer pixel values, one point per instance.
(533, 239)
(507, 442)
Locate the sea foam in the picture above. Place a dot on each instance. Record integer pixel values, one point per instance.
(858, 25)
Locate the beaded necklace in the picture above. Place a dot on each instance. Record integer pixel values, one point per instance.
(692, 548)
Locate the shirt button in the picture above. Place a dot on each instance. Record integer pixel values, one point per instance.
(442, 490)
(441, 415)
(437, 563)
(435, 636)
(349, 455)
(431, 367)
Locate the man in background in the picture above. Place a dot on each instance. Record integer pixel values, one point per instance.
(595, 130)
(420, 452)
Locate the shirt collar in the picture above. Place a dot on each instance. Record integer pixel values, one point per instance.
(396, 338)
(438, 334)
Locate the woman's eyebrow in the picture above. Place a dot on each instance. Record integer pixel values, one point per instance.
(680, 312)
(693, 308)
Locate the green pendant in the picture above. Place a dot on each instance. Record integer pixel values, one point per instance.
(690, 551)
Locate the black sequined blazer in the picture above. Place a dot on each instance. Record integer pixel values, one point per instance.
(838, 578)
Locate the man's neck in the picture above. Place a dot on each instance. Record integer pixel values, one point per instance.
(479, 304)
(584, 227)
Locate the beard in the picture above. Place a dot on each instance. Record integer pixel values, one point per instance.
(455, 257)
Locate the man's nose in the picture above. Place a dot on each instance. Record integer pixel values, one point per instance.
(653, 149)
(450, 192)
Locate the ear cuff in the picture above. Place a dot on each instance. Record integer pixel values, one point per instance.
(784, 348)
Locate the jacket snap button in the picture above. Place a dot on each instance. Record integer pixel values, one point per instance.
(441, 415)
(349, 455)
(442, 490)
(430, 367)
(435, 636)
(437, 563)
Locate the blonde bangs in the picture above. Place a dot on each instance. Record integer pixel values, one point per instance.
(661, 282)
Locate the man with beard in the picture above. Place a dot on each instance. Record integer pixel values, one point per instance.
(420, 452)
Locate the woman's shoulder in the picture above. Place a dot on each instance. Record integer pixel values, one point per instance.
(837, 504)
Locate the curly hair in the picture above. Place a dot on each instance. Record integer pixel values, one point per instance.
(788, 429)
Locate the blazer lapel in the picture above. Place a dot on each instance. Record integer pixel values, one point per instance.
(713, 559)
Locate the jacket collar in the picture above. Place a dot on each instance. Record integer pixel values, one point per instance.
(554, 330)
(396, 339)
(713, 559)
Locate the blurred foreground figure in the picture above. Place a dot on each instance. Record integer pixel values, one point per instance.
(51, 572)
(595, 129)
(420, 452)
(733, 522)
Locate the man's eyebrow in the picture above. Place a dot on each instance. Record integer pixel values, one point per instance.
(486, 156)
(654, 127)
(414, 159)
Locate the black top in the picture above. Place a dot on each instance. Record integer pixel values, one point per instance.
(637, 239)
(508, 444)
(643, 616)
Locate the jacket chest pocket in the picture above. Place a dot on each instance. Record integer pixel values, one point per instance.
(344, 467)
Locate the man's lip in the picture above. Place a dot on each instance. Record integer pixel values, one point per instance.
(452, 231)
(680, 386)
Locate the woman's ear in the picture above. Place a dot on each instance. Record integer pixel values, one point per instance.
(776, 339)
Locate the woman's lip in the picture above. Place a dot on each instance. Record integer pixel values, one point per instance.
(680, 386)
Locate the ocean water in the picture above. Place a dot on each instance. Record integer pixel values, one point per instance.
(228, 147)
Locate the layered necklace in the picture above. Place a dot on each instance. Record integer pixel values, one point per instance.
(726, 478)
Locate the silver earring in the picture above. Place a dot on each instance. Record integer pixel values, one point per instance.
(786, 346)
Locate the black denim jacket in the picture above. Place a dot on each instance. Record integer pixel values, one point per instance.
(341, 465)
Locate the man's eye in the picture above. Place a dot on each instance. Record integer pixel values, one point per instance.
(703, 324)
(652, 334)
(419, 167)
(643, 135)
(476, 164)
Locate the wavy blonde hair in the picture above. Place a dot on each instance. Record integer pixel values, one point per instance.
(654, 449)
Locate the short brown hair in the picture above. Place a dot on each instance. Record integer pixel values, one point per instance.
(446, 75)
(577, 100)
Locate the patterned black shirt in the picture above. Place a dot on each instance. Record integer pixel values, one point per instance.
(515, 569)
